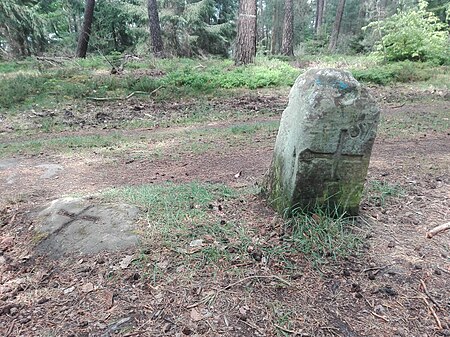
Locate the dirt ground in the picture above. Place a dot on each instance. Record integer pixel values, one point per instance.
(398, 285)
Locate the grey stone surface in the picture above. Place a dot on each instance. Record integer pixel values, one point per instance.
(51, 170)
(324, 142)
(79, 226)
(8, 163)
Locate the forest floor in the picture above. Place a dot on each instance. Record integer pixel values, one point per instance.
(228, 270)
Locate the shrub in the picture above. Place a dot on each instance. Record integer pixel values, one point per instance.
(404, 72)
(414, 34)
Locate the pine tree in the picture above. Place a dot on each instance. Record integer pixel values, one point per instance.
(287, 45)
(155, 29)
(246, 35)
(336, 26)
(83, 38)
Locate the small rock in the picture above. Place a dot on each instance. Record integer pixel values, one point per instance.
(69, 290)
(13, 311)
(186, 330)
(391, 244)
(87, 287)
(346, 272)
(43, 300)
(257, 255)
(196, 243)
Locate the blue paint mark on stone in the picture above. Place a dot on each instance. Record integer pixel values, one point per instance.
(318, 81)
(342, 85)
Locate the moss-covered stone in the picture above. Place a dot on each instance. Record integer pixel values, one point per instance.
(324, 143)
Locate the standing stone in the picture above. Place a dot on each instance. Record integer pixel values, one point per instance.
(323, 146)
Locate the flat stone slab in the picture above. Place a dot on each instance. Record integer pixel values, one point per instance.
(79, 226)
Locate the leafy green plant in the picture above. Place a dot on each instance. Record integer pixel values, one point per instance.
(404, 72)
(414, 34)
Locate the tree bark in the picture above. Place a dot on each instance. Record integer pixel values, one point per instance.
(320, 5)
(155, 29)
(246, 35)
(336, 26)
(83, 38)
(277, 27)
(287, 45)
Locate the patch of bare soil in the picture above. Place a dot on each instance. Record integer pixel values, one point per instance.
(398, 285)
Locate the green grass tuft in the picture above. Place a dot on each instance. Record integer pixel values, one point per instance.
(322, 234)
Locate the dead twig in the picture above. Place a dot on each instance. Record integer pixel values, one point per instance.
(101, 99)
(210, 297)
(298, 333)
(438, 229)
(425, 290)
(135, 333)
(256, 277)
(442, 269)
(433, 312)
(253, 326)
(397, 106)
(376, 270)
(379, 316)
(10, 329)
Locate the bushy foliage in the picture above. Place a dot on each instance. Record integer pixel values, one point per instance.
(414, 34)
(404, 72)
(183, 77)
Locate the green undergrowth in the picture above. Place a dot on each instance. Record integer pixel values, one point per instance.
(65, 144)
(193, 219)
(141, 146)
(29, 83)
(322, 234)
(401, 72)
(187, 218)
(163, 79)
(378, 193)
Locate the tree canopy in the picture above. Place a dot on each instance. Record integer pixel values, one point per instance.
(209, 27)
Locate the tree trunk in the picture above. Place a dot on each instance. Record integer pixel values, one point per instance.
(336, 26)
(155, 29)
(320, 5)
(246, 33)
(287, 45)
(83, 38)
(277, 27)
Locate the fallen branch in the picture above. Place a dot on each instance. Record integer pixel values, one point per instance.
(379, 316)
(253, 326)
(438, 229)
(298, 333)
(101, 99)
(425, 290)
(209, 298)
(430, 307)
(397, 106)
(376, 270)
(256, 277)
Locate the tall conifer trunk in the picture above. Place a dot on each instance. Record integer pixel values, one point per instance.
(336, 26)
(155, 29)
(287, 45)
(246, 36)
(83, 38)
(320, 5)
